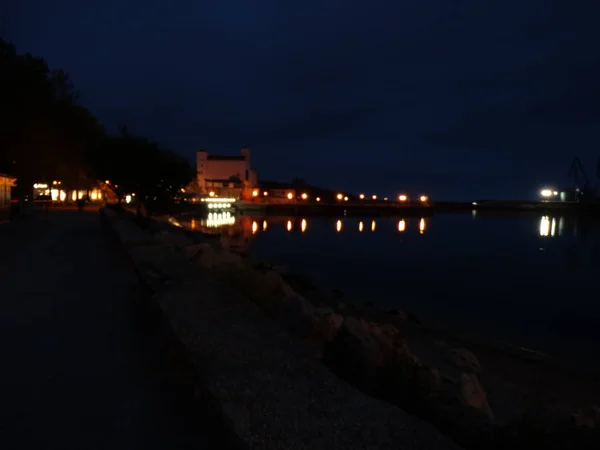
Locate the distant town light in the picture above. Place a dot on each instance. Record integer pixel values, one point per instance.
(40, 186)
(318, 199)
(423, 198)
(546, 193)
(290, 195)
(338, 226)
(340, 196)
(303, 225)
(361, 196)
(555, 193)
(402, 197)
(128, 198)
(374, 197)
(345, 199)
(373, 226)
(107, 181)
(264, 225)
(401, 225)
(265, 193)
(361, 226)
(385, 199)
(304, 196)
(211, 194)
(255, 193)
(289, 225)
(422, 225)
(254, 227)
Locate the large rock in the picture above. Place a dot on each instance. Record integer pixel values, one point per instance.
(173, 239)
(587, 417)
(226, 259)
(472, 394)
(277, 284)
(355, 354)
(195, 250)
(393, 345)
(297, 315)
(327, 323)
(464, 359)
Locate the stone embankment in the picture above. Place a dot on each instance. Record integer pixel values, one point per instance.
(278, 392)
(269, 386)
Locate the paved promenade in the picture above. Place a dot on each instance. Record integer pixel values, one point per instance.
(80, 370)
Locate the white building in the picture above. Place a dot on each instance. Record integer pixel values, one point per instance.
(226, 175)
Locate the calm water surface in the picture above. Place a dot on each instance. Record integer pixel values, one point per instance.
(529, 280)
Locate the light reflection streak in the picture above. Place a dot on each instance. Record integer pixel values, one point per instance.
(264, 225)
(361, 226)
(422, 225)
(373, 226)
(338, 226)
(401, 225)
(289, 225)
(254, 227)
(303, 225)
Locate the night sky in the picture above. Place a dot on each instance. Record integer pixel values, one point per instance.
(459, 99)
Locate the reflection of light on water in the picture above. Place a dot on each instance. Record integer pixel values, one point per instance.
(544, 226)
(401, 225)
(303, 225)
(264, 225)
(254, 227)
(193, 224)
(172, 221)
(553, 227)
(219, 219)
(474, 213)
(373, 226)
(561, 226)
(360, 226)
(289, 225)
(338, 226)
(422, 225)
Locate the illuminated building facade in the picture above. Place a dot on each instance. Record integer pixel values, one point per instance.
(226, 176)
(6, 184)
(55, 192)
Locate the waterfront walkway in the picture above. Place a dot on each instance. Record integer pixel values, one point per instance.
(80, 368)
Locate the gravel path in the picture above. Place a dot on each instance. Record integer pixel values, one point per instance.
(80, 370)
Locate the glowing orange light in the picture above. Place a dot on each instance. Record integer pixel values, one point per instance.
(254, 227)
(265, 193)
(304, 196)
(340, 196)
(374, 197)
(303, 225)
(423, 198)
(373, 226)
(422, 225)
(361, 196)
(264, 225)
(211, 194)
(290, 196)
(338, 226)
(289, 225)
(402, 197)
(255, 193)
(401, 225)
(361, 226)
(318, 199)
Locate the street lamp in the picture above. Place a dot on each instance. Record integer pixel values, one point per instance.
(304, 196)
(290, 195)
(402, 197)
(374, 197)
(361, 196)
(340, 196)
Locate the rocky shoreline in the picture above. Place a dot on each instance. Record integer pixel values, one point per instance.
(481, 396)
